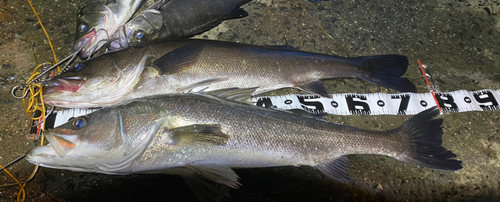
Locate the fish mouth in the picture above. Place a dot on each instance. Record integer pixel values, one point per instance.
(90, 43)
(83, 43)
(119, 39)
(61, 143)
(59, 146)
(68, 84)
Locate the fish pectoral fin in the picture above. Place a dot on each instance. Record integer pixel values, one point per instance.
(236, 94)
(202, 83)
(315, 86)
(217, 173)
(198, 133)
(179, 59)
(336, 169)
(206, 190)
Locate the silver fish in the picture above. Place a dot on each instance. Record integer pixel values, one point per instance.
(176, 19)
(181, 66)
(99, 20)
(200, 135)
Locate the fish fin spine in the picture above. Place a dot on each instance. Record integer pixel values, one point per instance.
(336, 169)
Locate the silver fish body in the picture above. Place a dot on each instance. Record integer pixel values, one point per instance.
(207, 136)
(181, 66)
(176, 19)
(99, 20)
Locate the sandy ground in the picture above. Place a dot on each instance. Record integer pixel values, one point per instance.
(459, 39)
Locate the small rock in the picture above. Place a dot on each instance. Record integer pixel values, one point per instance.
(265, 2)
(6, 66)
(11, 77)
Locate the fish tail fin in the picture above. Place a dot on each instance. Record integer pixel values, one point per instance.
(386, 71)
(424, 137)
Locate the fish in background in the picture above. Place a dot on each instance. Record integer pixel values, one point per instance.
(186, 65)
(201, 137)
(176, 19)
(99, 20)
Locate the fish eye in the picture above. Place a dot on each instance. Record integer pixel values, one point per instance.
(80, 122)
(139, 34)
(82, 27)
(78, 67)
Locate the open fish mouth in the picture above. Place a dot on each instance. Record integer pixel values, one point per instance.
(119, 39)
(69, 84)
(61, 144)
(84, 42)
(91, 42)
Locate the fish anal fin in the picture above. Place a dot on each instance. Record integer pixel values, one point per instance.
(179, 59)
(336, 169)
(206, 190)
(316, 87)
(217, 173)
(198, 133)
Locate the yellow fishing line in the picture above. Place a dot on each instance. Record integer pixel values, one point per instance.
(22, 191)
(35, 103)
(46, 34)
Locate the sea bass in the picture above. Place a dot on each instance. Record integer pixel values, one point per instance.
(181, 66)
(200, 135)
(99, 20)
(176, 19)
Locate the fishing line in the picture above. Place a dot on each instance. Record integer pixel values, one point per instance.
(106, 41)
(33, 91)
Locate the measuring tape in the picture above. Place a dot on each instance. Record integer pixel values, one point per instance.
(388, 104)
(351, 104)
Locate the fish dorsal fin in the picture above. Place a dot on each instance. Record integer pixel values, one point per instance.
(198, 134)
(316, 87)
(336, 169)
(178, 59)
(218, 173)
(236, 94)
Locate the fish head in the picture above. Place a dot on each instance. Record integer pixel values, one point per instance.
(95, 24)
(105, 141)
(99, 82)
(146, 27)
(81, 143)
